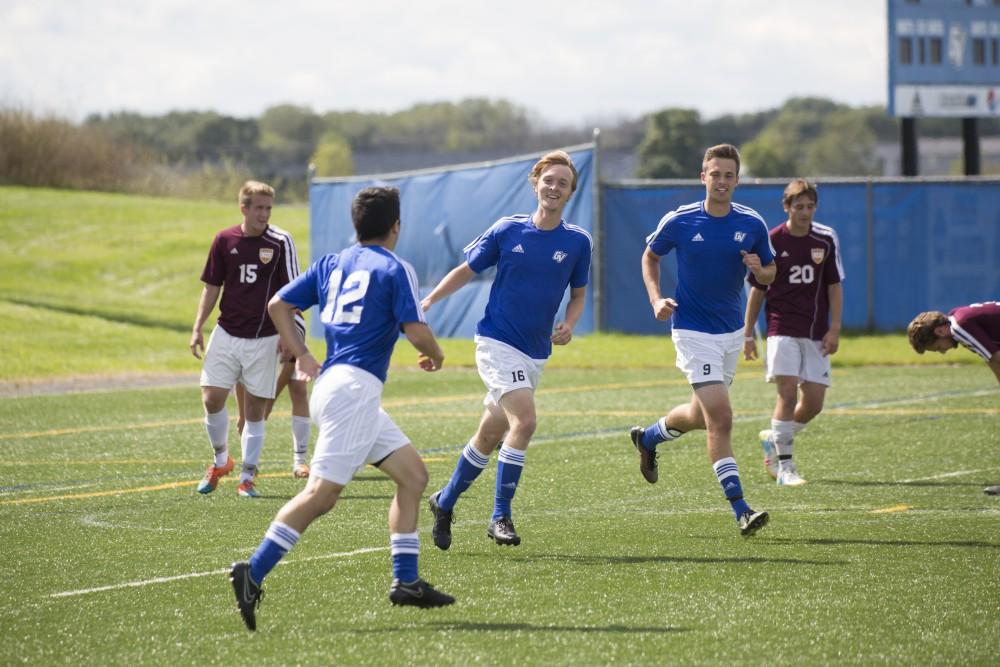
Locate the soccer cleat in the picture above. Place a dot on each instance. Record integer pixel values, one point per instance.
(441, 530)
(248, 593)
(647, 459)
(788, 474)
(247, 490)
(770, 453)
(752, 521)
(213, 475)
(418, 594)
(992, 490)
(502, 531)
(300, 471)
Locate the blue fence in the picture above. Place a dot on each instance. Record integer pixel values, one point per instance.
(907, 245)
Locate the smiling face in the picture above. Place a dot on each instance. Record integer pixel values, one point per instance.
(720, 177)
(554, 186)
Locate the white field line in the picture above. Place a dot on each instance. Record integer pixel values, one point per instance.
(580, 436)
(194, 575)
(956, 473)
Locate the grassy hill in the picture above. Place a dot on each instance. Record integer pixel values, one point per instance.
(97, 283)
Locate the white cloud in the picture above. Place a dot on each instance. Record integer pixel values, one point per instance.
(566, 62)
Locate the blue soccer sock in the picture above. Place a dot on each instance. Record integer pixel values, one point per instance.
(729, 477)
(278, 541)
(470, 465)
(510, 463)
(405, 547)
(658, 432)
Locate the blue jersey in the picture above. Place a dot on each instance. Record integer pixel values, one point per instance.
(534, 267)
(367, 293)
(710, 269)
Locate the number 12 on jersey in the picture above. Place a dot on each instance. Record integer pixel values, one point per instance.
(342, 295)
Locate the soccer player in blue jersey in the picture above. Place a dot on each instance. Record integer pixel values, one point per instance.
(537, 257)
(717, 241)
(366, 295)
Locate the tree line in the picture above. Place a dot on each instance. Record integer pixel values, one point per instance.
(204, 153)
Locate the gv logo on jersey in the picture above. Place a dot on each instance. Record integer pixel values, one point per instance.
(266, 255)
(818, 254)
(559, 256)
(739, 236)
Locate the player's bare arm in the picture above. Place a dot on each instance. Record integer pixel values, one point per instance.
(831, 341)
(563, 332)
(282, 314)
(209, 296)
(663, 307)
(455, 280)
(754, 303)
(421, 337)
(764, 274)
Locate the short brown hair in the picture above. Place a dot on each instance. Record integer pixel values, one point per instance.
(921, 329)
(549, 159)
(251, 188)
(797, 188)
(724, 152)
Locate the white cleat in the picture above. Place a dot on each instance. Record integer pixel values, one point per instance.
(788, 475)
(770, 453)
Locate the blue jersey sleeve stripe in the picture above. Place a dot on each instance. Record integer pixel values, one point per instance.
(411, 277)
(489, 229)
(581, 230)
(687, 208)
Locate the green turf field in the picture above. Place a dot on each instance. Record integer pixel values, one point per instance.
(890, 555)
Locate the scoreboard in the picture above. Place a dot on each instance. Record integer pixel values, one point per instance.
(944, 58)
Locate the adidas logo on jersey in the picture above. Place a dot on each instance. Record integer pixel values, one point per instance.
(697, 237)
(784, 253)
(518, 248)
(234, 251)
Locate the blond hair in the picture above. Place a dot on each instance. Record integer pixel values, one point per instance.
(549, 159)
(251, 188)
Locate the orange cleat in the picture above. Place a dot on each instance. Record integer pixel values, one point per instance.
(213, 475)
(247, 489)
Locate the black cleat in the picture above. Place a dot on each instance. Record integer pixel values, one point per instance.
(248, 594)
(992, 490)
(752, 521)
(502, 531)
(441, 530)
(418, 594)
(647, 459)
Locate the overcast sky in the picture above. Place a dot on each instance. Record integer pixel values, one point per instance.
(568, 62)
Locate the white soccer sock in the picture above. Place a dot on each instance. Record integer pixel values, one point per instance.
(301, 431)
(252, 443)
(796, 427)
(217, 427)
(784, 434)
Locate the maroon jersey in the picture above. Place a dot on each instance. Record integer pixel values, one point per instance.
(250, 269)
(977, 327)
(798, 303)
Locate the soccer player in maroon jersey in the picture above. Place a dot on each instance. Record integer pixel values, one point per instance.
(804, 306)
(247, 264)
(976, 326)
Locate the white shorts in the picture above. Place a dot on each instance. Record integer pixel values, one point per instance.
(353, 428)
(798, 357)
(504, 368)
(705, 357)
(253, 362)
